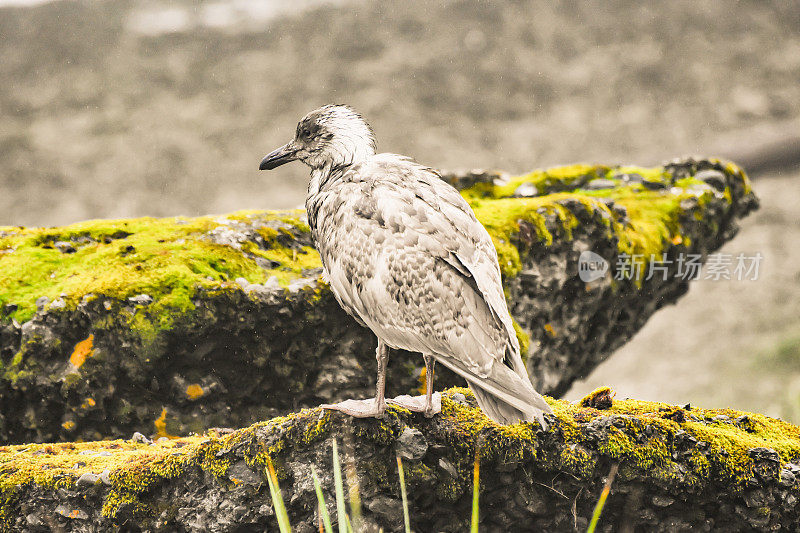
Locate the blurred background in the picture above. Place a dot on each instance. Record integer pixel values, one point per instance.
(122, 108)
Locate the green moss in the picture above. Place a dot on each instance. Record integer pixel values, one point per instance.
(639, 435)
(560, 178)
(651, 226)
(502, 218)
(524, 341)
(577, 460)
(600, 398)
(169, 259)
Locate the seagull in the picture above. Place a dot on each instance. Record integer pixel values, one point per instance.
(406, 257)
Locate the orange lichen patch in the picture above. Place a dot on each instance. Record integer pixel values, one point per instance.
(82, 350)
(550, 330)
(194, 391)
(423, 381)
(161, 425)
(677, 239)
(69, 425)
(88, 402)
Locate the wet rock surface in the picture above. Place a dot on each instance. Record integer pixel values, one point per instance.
(250, 346)
(700, 474)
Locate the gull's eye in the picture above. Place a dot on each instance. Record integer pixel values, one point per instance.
(308, 132)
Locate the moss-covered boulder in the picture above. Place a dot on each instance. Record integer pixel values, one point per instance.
(679, 468)
(169, 326)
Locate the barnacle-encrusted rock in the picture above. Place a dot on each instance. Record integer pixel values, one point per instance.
(169, 326)
(679, 469)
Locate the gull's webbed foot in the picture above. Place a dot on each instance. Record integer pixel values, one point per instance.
(359, 408)
(418, 404)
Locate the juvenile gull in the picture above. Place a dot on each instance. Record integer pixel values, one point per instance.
(405, 255)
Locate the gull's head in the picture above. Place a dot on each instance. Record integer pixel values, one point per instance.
(333, 135)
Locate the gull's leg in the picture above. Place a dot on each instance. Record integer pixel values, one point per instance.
(382, 355)
(374, 407)
(431, 403)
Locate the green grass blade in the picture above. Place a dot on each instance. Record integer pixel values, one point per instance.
(403, 493)
(277, 500)
(476, 489)
(349, 525)
(354, 491)
(323, 510)
(598, 509)
(337, 479)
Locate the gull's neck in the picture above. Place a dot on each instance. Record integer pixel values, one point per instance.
(332, 170)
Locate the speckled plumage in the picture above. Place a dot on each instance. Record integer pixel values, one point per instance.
(405, 255)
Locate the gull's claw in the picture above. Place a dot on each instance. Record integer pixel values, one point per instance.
(417, 404)
(358, 408)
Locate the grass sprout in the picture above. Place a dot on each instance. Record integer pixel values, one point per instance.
(323, 510)
(598, 509)
(352, 523)
(476, 489)
(403, 494)
(277, 500)
(337, 480)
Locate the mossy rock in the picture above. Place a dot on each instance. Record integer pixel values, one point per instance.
(172, 326)
(679, 468)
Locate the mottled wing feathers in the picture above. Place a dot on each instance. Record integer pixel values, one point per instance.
(471, 251)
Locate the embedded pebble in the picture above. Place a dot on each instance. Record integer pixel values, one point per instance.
(631, 177)
(448, 467)
(715, 178)
(138, 437)
(411, 444)
(653, 185)
(662, 501)
(41, 302)
(71, 512)
(526, 190)
(300, 284)
(87, 479)
(787, 478)
(141, 299)
(388, 507)
(64, 247)
(243, 473)
(599, 184)
(459, 398)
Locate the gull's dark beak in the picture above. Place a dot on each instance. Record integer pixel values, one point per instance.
(274, 159)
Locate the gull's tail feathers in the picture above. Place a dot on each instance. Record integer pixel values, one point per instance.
(505, 413)
(505, 396)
